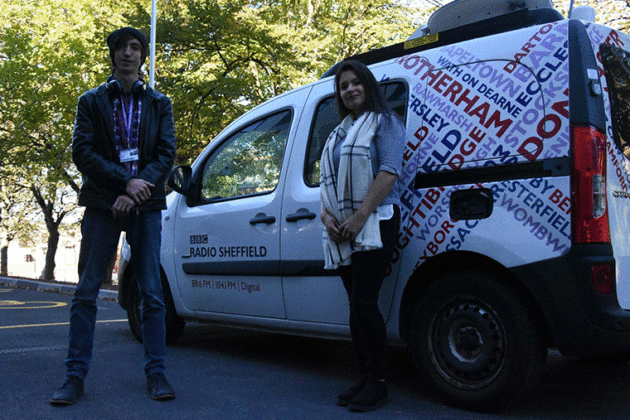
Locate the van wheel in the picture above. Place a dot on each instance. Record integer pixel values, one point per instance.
(134, 311)
(174, 323)
(475, 342)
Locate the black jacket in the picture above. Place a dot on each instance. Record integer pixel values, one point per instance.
(94, 152)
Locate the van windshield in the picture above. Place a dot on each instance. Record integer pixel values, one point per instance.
(617, 69)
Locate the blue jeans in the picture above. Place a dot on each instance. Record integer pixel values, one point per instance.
(100, 234)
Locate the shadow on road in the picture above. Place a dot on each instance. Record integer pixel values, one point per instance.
(569, 388)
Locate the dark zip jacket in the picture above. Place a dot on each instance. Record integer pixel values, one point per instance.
(95, 156)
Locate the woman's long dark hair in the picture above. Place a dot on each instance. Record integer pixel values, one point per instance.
(373, 93)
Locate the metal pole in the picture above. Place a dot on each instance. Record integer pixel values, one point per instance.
(152, 67)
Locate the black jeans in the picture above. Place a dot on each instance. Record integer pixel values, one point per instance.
(363, 280)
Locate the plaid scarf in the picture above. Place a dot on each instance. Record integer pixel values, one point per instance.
(342, 192)
(127, 111)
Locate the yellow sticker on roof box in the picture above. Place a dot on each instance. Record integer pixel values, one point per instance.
(418, 42)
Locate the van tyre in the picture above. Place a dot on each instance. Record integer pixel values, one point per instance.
(174, 323)
(475, 342)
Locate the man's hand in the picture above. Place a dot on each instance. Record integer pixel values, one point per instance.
(139, 190)
(123, 206)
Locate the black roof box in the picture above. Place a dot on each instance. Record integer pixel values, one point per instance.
(452, 25)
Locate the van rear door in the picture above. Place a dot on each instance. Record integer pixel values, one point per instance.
(611, 48)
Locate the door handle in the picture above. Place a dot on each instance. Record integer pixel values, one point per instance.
(300, 214)
(262, 218)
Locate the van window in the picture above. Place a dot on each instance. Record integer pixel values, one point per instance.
(617, 69)
(249, 161)
(327, 118)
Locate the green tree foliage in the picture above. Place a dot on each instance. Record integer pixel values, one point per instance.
(214, 59)
(613, 13)
(217, 58)
(47, 58)
(17, 218)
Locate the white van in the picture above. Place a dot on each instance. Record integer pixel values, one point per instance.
(515, 217)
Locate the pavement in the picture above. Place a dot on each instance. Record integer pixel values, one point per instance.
(52, 287)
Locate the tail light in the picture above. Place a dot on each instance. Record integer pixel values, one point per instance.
(602, 278)
(588, 187)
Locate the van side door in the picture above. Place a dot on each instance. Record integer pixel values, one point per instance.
(227, 246)
(311, 293)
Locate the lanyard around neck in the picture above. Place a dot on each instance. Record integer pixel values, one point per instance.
(127, 115)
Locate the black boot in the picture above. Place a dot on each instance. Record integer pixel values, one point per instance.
(373, 396)
(343, 400)
(69, 392)
(159, 388)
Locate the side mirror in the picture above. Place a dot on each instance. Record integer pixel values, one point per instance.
(180, 180)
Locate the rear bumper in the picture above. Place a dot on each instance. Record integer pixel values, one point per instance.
(581, 321)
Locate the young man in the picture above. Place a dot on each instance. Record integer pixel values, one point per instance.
(124, 145)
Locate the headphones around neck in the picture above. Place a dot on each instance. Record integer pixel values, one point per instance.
(114, 87)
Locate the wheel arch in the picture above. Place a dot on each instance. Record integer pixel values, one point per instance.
(127, 280)
(445, 263)
(173, 322)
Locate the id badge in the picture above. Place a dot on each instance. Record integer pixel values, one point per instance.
(129, 155)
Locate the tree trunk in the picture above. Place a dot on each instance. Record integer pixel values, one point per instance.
(4, 260)
(49, 267)
(52, 225)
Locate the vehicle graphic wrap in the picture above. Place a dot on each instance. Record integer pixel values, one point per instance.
(471, 115)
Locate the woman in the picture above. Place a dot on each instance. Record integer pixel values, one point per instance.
(360, 165)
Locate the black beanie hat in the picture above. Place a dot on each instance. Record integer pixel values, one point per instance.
(113, 37)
